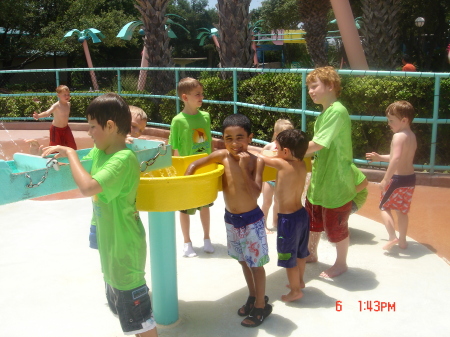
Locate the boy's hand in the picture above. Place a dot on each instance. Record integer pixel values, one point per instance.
(244, 159)
(62, 151)
(373, 156)
(35, 115)
(35, 147)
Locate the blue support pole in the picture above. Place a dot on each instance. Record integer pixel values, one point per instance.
(119, 83)
(163, 266)
(437, 89)
(57, 78)
(177, 79)
(235, 90)
(304, 87)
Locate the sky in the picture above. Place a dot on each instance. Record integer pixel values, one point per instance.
(254, 4)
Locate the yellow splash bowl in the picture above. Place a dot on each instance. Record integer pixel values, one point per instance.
(168, 189)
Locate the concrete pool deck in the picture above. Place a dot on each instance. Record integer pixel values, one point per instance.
(51, 283)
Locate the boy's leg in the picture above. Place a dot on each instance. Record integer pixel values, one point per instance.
(296, 283)
(340, 266)
(149, 333)
(275, 213)
(267, 202)
(313, 243)
(188, 250)
(259, 286)
(388, 221)
(402, 229)
(205, 218)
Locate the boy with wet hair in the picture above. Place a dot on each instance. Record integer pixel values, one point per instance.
(113, 184)
(244, 220)
(397, 186)
(293, 219)
(190, 133)
(332, 187)
(60, 133)
(138, 121)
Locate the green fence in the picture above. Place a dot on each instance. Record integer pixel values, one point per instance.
(123, 80)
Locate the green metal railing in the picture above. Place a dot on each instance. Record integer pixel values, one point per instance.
(434, 121)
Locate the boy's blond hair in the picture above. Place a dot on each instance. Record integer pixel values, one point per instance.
(186, 85)
(61, 88)
(328, 76)
(281, 125)
(137, 112)
(401, 109)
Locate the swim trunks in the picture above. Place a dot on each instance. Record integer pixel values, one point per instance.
(334, 221)
(398, 193)
(246, 237)
(293, 235)
(62, 136)
(192, 211)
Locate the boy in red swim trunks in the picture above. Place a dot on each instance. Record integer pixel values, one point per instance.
(332, 187)
(397, 186)
(60, 133)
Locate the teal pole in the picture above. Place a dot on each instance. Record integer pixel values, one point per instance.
(163, 266)
(304, 87)
(437, 89)
(235, 94)
(57, 78)
(177, 101)
(119, 83)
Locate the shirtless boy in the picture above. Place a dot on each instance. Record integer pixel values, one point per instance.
(398, 184)
(60, 133)
(293, 219)
(244, 220)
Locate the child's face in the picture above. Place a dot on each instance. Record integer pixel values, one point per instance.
(194, 98)
(98, 134)
(137, 126)
(64, 96)
(236, 139)
(396, 124)
(318, 91)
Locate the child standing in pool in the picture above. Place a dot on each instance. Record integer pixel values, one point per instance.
(398, 184)
(268, 186)
(60, 133)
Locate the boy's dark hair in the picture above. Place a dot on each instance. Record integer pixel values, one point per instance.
(295, 140)
(110, 107)
(401, 109)
(237, 120)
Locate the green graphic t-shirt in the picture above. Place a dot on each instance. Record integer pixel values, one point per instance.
(332, 184)
(120, 233)
(191, 134)
(361, 196)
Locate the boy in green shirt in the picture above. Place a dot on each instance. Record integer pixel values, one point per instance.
(113, 183)
(190, 133)
(332, 187)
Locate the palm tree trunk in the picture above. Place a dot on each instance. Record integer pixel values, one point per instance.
(90, 65)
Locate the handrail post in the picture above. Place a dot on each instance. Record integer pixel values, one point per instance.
(235, 94)
(57, 78)
(119, 82)
(304, 86)
(177, 79)
(437, 88)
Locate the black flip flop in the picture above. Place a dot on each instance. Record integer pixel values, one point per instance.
(248, 306)
(257, 316)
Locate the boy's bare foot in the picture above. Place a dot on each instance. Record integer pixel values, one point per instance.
(292, 296)
(390, 244)
(302, 285)
(403, 245)
(334, 271)
(311, 258)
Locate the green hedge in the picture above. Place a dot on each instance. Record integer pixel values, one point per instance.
(362, 95)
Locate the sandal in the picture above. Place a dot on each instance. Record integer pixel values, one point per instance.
(257, 316)
(248, 306)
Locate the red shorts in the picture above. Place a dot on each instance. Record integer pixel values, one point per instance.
(398, 193)
(334, 221)
(62, 136)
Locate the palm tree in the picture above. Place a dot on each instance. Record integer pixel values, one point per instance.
(314, 15)
(83, 36)
(156, 41)
(381, 33)
(126, 33)
(235, 38)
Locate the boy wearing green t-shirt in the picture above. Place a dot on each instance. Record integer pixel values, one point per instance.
(190, 133)
(361, 183)
(113, 184)
(332, 187)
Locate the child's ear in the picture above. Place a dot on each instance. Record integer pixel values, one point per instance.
(184, 97)
(110, 125)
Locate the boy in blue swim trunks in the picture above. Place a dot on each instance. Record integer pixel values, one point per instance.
(244, 220)
(293, 219)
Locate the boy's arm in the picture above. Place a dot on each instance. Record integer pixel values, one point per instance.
(362, 185)
(214, 157)
(45, 113)
(396, 153)
(313, 147)
(274, 162)
(87, 185)
(373, 156)
(253, 179)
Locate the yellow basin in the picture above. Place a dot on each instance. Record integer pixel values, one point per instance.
(167, 190)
